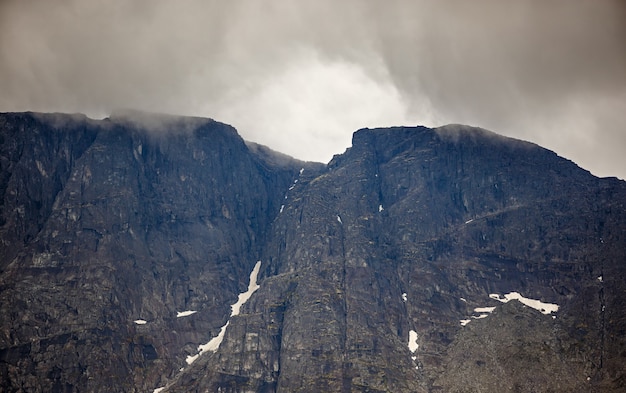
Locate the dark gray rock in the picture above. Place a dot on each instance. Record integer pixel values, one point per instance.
(141, 216)
(142, 223)
(516, 349)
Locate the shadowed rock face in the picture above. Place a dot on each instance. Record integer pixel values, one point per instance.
(106, 223)
(138, 217)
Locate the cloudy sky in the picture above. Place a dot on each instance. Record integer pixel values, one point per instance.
(301, 76)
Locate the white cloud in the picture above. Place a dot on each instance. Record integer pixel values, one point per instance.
(302, 76)
(312, 106)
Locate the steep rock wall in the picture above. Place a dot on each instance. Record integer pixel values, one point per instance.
(382, 271)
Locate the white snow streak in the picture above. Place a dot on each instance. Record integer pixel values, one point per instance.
(545, 308)
(157, 390)
(190, 359)
(413, 345)
(212, 345)
(252, 287)
(187, 313)
(339, 219)
(468, 221)
(215, 342)
(281, 208)
(140, 321)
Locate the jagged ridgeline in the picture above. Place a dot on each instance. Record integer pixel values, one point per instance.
(152, 253)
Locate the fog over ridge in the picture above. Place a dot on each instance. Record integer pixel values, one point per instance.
(300, 77)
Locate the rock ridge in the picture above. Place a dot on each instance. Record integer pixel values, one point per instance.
(125, 241)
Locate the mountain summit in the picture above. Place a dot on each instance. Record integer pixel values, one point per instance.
(144, 253)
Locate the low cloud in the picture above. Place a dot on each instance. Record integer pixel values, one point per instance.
(311, 107)
(302, 76)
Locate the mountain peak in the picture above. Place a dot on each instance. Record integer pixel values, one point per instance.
(122, 254)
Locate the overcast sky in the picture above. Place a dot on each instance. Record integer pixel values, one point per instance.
(301, 76)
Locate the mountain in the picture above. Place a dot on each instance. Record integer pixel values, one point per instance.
(146, 252)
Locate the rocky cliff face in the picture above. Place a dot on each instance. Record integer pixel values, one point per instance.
(107, 223)
(126, 241)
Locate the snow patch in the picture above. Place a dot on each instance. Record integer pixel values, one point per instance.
(215, 342)
(463, 299)
(157, 390)
(600, 278)
(140, 321)
(380, 208)
(468, 221)
(413, 345)
(252, 287)
(404, 298)
(187, 313)
(481, 316)
(281, 208)
(484, 309)
(544, 308)
(212, 345)
(465, 321)
(339, 219)
(301, 170)
(190, 359)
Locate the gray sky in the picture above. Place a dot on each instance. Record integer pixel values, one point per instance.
(301, 76)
